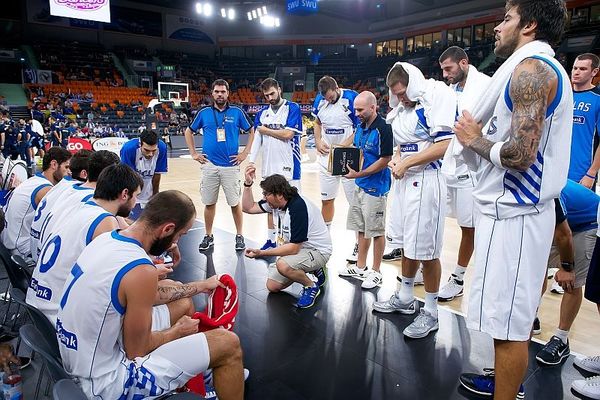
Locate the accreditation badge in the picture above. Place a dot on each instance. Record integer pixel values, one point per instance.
(220, 134)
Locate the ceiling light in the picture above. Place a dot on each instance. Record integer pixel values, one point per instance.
(264, 8)
(277, 22)
(231, 13)
(259, 11)
(254, 15)
(249, 16)
(223, 13)
(208, 9)
(199, 8)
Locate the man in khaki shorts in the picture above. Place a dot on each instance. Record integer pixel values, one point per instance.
(372, 183)
(221, 124)
(303, 240)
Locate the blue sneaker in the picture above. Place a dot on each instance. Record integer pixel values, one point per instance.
(211, 393)
(321, 276)
(268, 245)
(483, 385)
(308, 296)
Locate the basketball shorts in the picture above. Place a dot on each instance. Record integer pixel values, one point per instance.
(510, 267)
(330, 185)
(168, 367)
(420, 210)
(461, 206)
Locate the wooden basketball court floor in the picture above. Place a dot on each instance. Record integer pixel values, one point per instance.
(339, 349)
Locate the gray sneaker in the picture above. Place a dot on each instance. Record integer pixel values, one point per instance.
(239, 243)
(422, 325)
(394, 305)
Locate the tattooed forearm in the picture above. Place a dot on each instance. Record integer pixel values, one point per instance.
(530, 87)
(176, 292)
(482, 146)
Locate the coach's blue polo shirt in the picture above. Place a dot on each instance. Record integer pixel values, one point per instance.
(232, 119)
(586, 125)
(376, 141)
(580, 205)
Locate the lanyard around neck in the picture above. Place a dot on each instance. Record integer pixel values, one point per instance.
(222, 124)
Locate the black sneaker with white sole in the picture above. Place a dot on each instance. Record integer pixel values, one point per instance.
(207, 242)
(395, 254)
(554, 352)
(537, 326)
(239, 243)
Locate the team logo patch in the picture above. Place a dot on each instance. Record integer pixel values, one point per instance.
(462, 177)
(578, 119)
(409, 148)
(416, 184)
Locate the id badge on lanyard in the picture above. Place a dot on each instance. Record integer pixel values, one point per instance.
(221, 137)
(280, 240)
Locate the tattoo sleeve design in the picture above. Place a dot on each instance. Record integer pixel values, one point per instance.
(172, 293)
(529, 92)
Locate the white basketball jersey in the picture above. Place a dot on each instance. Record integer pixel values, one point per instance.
(59, 254)
(41, 213)
(277, 154)
(463, 176)
(90, 318)
(19, 211)
(502, 193)
(338, 121)
(413, 135)
(70, 201)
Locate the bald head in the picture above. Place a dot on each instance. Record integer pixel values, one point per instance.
(367, 97)
(365, 107)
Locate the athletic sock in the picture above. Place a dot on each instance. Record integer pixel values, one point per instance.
(272, 235)
(563, 335)
(459, 272)
(406, 292)
(431, 303)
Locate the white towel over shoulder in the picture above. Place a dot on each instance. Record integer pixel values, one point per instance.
(482, 107)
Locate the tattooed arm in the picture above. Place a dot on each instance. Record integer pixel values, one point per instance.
(170, 291)
(533, 85)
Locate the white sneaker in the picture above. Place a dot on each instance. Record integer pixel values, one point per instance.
(590, 364)
(556, 288)
(551, 272)
(373, 279)
(394, 305)
(424, 324)
(353, 271)
(352, 258)
(451, 290)
(589, 387)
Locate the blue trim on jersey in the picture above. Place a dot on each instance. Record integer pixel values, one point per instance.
(94, 225)
(117, 236)
(87, 198)
(114, 290)
(524, 190)
(507, 98)
(76, 272)
(552, 107)
(79, 186)
(35, 192)
(421, 115)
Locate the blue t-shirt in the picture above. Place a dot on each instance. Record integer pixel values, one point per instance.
(580, 205)
(232, 119)
(586, 124)
(376, 141)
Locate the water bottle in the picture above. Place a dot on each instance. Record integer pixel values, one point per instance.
(12, 384)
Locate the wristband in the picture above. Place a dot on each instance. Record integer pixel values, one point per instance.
(250, 185)
(567, 266)
(495, 154)
(589, 176)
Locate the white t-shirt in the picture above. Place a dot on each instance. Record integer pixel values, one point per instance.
(300, 221)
